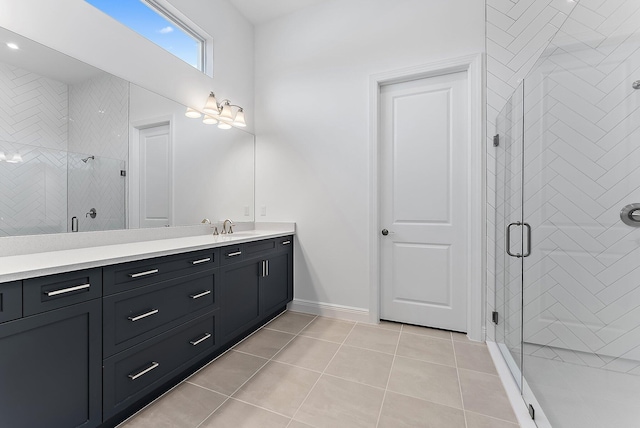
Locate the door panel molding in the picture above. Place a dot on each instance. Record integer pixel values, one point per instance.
(476, 198)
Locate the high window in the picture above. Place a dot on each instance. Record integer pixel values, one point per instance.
(163, 25)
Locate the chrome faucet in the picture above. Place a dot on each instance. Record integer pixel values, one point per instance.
(224, 227)
(205, 221)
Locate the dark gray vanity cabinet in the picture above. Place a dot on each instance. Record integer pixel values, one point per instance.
(255, 287)
(89, 348)
(50, 362)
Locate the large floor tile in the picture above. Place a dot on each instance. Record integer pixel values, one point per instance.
(336, 402)
(185, 406)
(427, 381)
(228, 373)
(483, 393)
(387, 325)
(361, 365)
(264, 343)
(290, 322)
(427, 348)
(234, 413)
(328, 329)
(308, 353)
(399, 411)
(278, 387)
(474, 356)
(433, 332)
(298, 424)
(475, 420)
(376, 339)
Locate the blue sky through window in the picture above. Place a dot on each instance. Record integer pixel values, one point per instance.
(138, 16)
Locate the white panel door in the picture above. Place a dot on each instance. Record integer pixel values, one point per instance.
(423, 194)
(156, 184)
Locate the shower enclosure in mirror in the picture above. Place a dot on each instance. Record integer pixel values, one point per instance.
(568, 165)
(71, 159)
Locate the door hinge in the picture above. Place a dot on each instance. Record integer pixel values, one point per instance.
(496, 140)
(532, 412)
(123, 173)
(494, 317)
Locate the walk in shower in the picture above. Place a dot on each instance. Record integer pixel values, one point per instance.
(567, 242)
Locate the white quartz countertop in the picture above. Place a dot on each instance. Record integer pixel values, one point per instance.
(46, 263)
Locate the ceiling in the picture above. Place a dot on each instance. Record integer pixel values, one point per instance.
(259, 11)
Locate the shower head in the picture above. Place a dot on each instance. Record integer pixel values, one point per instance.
(87, 158)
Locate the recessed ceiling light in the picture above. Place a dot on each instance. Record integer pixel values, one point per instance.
(12, 45)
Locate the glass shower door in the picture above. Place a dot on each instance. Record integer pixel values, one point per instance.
(581, 301)
(509, 232)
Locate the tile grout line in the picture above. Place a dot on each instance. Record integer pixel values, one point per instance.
(386, 388)
(257, 371)
(455, 357)
(322, 374)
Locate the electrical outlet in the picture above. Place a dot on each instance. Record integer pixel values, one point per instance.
(246, 210)
(263, 210)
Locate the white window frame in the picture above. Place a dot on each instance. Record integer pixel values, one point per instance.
(169, 12)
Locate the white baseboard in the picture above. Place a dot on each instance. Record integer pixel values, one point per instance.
(510, 386)
(330, 310)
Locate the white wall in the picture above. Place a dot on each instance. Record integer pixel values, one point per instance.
(312, 111)
(76, 28)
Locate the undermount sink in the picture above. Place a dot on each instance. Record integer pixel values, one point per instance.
(242, 233)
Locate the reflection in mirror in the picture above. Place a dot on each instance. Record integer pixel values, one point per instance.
(182, 170)
(64, 150)
(56, 110)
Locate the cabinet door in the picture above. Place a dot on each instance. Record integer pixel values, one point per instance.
(50, 369)
(239, 298)
(276, 283)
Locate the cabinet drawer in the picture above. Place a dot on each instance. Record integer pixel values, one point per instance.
(129, 375)
(285, 243)
(10, 301)
(147, 311)
(231, 254)
(267, 247)
(56, 291)
(125, 276)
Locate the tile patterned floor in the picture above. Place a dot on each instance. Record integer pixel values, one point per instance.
(302, 371)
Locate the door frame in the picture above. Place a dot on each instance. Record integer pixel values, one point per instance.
(476, 198)
(132, 216)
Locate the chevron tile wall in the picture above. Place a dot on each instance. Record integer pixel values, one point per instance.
(99, 117)
(582, 292)
(33, 109)
(582, 289)
(518, 32)
(34, 191)
(33, 124)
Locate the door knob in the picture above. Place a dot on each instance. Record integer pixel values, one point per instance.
(385, 232)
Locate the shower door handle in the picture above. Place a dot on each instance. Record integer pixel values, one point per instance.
(508, 240)
(528, 226)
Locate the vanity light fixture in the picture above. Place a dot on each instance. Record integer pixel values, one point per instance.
(192, 113)
(221, 113)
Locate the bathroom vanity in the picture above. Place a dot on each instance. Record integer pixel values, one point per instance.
(90, 335)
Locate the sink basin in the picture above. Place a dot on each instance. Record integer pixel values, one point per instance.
(242, 233)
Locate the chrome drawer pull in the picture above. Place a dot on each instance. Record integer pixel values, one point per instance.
(148, 314)
(286, 242)
(202, 339)
(197, 262)
(145, 371)
(237, 253)
(199, 295)
(148, 272)
(67, 290)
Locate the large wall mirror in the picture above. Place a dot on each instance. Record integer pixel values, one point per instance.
(83, 150)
